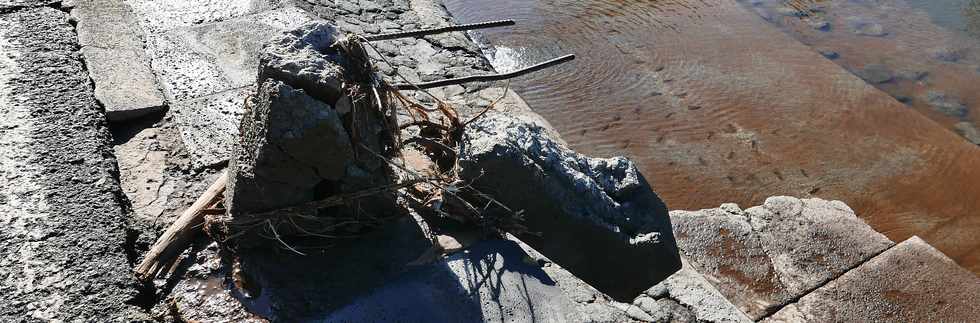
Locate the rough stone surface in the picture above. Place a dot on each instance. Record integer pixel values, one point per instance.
(768, 255)
(597, 217)
(687, 296)
(113, 51)
(911, 282)
(63, 237)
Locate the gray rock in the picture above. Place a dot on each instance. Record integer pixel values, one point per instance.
(597, 217)
(829, 54)
(124, 83)
(911, 282)
(969, 131)
(946, 104)
(766, 256)
(821, 25)
(876, 74)
(63, 242)
(866, 27)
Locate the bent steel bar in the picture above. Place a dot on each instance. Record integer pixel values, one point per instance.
(439, 30)
(483, 78)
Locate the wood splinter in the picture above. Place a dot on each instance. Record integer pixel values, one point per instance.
(180, 234)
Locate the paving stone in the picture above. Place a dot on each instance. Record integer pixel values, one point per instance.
(124, 83)
(106, 24)
(911, 282)
(766, 256)
(161, 15)
(62, 226)
(209, 125)
(196, 61)
(13, 4)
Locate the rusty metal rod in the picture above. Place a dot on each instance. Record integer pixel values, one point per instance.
(483, 78)
(439, 30)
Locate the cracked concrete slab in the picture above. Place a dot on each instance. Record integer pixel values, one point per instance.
(63, 237)
(911, 282)
(766, 256)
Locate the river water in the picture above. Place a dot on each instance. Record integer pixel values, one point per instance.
(866, 101)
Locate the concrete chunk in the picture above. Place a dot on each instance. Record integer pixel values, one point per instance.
(911, 282)
(597, 217)
(290, 144)
(766, 256)
(124, 82)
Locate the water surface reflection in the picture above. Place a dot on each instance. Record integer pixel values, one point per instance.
(720, 101)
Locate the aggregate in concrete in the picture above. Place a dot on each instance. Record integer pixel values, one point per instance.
(62, 243)
(766, 256)
(911, 282)
(117, 64)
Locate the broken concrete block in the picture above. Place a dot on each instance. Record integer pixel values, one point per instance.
(290, 143)
(303, 59)
(597, 217)
(911, 282)
(124, 83)
(769, 255)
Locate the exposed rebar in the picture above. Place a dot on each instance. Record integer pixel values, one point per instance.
(483, 78)
(439, 30)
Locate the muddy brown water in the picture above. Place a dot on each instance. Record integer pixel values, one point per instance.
(725, 101)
